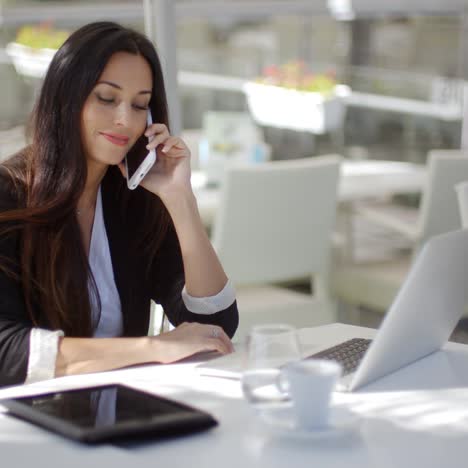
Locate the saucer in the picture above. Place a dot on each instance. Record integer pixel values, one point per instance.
(281, 421)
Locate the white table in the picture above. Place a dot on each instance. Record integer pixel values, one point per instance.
(359, 180)
(416, 417)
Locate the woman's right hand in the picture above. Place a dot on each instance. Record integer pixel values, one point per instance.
(188, 339)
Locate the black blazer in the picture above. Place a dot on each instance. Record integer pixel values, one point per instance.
(164, 283)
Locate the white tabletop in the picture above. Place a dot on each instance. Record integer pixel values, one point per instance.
(417, 417)
(359, 180)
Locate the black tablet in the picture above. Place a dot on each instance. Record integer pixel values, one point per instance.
(109, 412)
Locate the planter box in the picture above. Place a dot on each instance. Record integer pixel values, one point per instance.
(28, 61)
(297, 110)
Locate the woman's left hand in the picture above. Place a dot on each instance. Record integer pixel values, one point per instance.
(171, 172)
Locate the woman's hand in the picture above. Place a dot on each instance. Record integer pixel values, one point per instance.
(188, 339)
(171, 172)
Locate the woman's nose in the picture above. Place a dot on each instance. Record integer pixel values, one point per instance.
(123, 116)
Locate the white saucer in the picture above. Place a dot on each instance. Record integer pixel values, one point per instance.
(281, 422)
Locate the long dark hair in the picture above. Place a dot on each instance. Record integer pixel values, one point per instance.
(49, 176)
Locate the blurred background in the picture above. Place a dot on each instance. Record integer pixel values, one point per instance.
(416, 51)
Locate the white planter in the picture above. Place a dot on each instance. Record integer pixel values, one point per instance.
(297, 110)
(28, 61)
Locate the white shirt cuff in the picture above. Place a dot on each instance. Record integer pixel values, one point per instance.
(43, 347)
(212, 304)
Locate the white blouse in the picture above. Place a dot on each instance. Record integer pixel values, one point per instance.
(110, 322)
(44, 343)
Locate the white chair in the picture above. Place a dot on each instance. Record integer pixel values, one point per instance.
(274, 225)
(373, 285)
(438, 212)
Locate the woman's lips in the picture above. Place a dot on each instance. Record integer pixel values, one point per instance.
(119, 140)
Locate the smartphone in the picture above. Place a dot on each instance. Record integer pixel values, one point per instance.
(139, 160)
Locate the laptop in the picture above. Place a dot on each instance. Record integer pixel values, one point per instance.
(419, 322)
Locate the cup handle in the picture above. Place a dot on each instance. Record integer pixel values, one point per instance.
(283, 385)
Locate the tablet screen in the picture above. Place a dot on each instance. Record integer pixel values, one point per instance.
(100, 412)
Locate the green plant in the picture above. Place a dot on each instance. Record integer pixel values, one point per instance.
(295, 75)
(42, 36)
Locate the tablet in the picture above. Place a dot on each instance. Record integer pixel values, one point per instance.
(109, 412)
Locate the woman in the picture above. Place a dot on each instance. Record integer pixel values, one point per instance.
(81, 255)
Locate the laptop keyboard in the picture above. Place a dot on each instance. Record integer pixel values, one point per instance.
(348, 354)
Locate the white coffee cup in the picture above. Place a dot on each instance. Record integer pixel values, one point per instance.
(311, 383)
(462, 194)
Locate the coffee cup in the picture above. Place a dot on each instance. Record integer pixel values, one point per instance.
(311, 383)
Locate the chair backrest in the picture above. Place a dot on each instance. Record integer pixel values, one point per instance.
(439, 205)
(276, 219)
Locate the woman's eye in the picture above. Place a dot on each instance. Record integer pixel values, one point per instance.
(105, 100)
(138, 107)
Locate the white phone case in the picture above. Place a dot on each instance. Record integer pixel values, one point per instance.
(145, 165)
